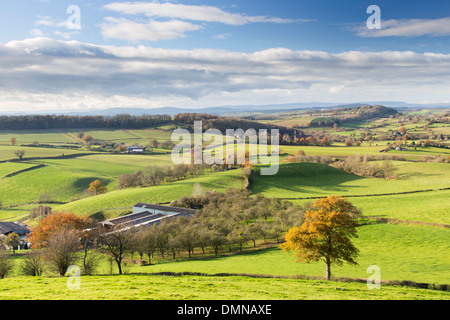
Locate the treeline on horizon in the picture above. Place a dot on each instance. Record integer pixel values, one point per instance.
(126, 121)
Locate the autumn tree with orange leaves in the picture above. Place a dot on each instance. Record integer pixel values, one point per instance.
(53, 224)
(97, 187)
(325, 234)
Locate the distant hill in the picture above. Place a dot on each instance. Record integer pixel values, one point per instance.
(227, 110)
(367, 111)
(348, 114)
(186, 120)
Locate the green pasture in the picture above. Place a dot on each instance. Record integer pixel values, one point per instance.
(59, 183)
(64, 179)
(69, 136)
(430, 207)
(53, 136)
(126, 198)
(151, 287)
(403, 252)
(10, 167)
(374, 150)
(300, 180)
(138, 161)
(131, 136)
(7, 152)
(19, 212)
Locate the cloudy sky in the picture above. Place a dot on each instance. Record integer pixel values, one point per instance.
(77, 54)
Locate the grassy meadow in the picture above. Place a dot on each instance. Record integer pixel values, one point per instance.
(110, 204)
(403, 251)
(151, 287)
(304, 179)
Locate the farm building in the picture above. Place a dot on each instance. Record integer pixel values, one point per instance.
(145, 214)
(21, 230)
(135, 149)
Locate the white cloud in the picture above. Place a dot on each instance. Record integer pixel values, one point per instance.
(36, 32)
(222, 36)
(408, 28)
(50, 22)
(53, 23)
(190, 12)
(336, 89)
(120, 28)
(40, 72)
(167, 21)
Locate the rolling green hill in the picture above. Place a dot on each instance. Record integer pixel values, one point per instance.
(300, 180)
(126, 198)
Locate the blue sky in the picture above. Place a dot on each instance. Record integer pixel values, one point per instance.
(216, 52)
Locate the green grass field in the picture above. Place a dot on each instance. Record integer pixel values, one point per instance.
(63, 136)
(7, 152)
(53, 136)
(64, 179)
(403, 252)
(158, 194)
(10, 167)
(374, 150)
(316, 180)
(150, 287)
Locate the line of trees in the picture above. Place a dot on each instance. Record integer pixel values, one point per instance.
(224, 221)
(155, 175)
(31, 122)
(228, 221)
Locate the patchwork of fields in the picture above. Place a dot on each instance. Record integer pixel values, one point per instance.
(404, 251)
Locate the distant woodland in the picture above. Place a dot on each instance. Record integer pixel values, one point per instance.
(32, 122)
(126, 121)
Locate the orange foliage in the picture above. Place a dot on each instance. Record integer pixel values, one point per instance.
(54, 223)
(325, 234)
(97, 187)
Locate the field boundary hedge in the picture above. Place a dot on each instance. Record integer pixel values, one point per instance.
(66, 156)
(24, 170)
(407, 283)
(396, 221)
(368, 195)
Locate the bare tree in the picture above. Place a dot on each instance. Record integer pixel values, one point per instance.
(89, 240)
(20, 153)
(6, 265)
(62, 250)
(188, 237)
(115, 242)
(32, 265)
(150, 241)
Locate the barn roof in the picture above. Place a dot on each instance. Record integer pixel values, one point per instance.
(165, 208)
(8, 227)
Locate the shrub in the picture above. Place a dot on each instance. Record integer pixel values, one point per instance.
(6, 265)
(62, 250)
(32, 265)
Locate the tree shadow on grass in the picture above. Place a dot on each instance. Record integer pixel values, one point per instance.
(83, 183)
(301, 177)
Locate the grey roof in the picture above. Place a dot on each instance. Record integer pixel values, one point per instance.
(8, 227)
(141, 218)
(164, 208)
(148, 221)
